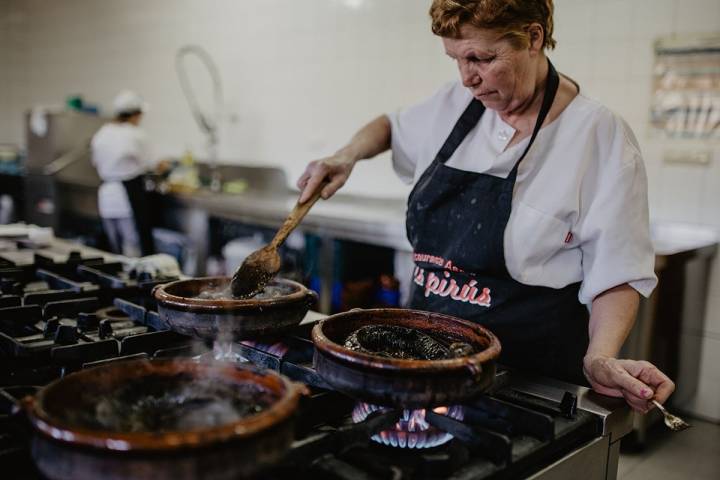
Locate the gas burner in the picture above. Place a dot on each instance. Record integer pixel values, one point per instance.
(412, 429)
(112, 313)
(277, 349)
(225, 352)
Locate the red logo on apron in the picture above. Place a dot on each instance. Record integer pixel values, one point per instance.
(448, 287)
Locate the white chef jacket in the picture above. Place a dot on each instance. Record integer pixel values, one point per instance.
(119, 153)
(579, 208)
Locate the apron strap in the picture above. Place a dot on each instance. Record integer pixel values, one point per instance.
(553, 82)
(141, 213)
(471, 116)
(467, 121)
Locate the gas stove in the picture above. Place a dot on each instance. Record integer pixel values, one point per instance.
(65, 307)
(526, 427)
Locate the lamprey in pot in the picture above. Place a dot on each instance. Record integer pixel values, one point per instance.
(400, 342)
(382, 379)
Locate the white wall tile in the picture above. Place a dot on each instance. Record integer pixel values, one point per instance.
(652, 155)
(611, 92)
(697, 16)
(682, 189)
(575, 59)
(710, 208)
(641, 56)
(573, 19)
(299, 76)
(12, 69)
(611, 59)
(652, 18)
(615, 20)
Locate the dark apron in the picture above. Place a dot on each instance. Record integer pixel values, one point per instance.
(137, 196)
(456, 224)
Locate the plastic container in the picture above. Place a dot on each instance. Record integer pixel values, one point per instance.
(176, 245)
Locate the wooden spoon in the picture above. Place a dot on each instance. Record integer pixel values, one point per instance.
(261, 265)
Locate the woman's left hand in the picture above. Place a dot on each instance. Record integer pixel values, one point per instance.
(637, 381)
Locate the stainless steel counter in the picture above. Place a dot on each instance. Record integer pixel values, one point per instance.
(378, 222)
(373, 221)
(381, 222)
(369, 220)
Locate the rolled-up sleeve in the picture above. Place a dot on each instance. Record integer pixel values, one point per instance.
(412, 131)
(615, 232)
(403, 157)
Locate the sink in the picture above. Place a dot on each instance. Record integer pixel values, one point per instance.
(670, 238)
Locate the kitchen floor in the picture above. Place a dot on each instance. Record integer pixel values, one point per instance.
(691, 454)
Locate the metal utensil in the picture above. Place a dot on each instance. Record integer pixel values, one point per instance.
(674, 423)
(262, 265)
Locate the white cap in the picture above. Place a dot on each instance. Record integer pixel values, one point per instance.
(128, 101)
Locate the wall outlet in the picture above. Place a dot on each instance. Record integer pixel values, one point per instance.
(696, 157)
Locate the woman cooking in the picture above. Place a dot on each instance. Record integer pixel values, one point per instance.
(529, 205)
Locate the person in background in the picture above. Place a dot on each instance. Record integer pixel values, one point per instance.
(529, 209)
(119, 153)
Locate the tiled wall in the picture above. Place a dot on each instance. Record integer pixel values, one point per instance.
(12, 70)
(301, 76)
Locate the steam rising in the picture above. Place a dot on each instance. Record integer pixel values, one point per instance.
(270, 291)
(182, 402)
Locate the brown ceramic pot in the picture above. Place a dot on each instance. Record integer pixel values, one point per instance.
(402, 382)
(231, 319)
(67, 447)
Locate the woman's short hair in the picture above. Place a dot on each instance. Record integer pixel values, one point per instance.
(509, 17)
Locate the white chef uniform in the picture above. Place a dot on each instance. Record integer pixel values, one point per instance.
(119, 153)
(580, 195)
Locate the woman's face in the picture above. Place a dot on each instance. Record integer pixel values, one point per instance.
(496, 73)
(135, 119)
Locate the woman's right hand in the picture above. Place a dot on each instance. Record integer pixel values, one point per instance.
(334, 170)
(637, 381)
(369, 141)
